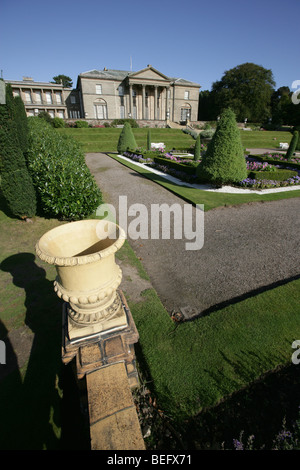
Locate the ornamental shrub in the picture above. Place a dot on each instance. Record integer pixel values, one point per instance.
(81, 124)
(126, 139)
(276, 175)
(66, 189)
(197, 150)
(224, 161)
(149, 139)
(45, 116)
(19, 193)
(21, 123)
(16, 184)
(58, 122)
(292, 146)
(120, 122)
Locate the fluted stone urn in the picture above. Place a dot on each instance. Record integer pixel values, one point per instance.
(88, 277)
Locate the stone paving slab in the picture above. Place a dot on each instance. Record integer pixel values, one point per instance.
(114, 423)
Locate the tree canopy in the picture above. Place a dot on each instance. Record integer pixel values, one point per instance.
(64, 80)
(247, 89)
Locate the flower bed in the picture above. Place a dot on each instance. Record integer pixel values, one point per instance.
(168, 163)
(267, 184)
(261, 175)
(258, 172)
(278, 158)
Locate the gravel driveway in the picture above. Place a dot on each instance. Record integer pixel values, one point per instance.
(246, 248)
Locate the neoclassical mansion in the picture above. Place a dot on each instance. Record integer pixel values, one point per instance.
(100, 96)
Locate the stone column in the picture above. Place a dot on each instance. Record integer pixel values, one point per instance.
(143, 101)
(155, 102)
(130, 100)
(167, 103)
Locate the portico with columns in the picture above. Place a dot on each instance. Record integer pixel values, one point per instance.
(147, 96)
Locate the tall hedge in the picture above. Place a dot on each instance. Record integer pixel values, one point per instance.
(66, 189)
(16, 183)
(293, 146)
(224, 161)
(21, 123)
(197, 150)
(126, 140)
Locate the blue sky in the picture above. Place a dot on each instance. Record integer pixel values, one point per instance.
(196, 40)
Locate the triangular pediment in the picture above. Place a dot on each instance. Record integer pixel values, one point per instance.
(149, 73)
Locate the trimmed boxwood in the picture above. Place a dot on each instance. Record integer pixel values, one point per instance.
(292, 146)
(64, 184)
(277, 175)
(81, 124)
(263, 158)
(126, 140)
(190, 170)
(224, 161)
(19, 193)
(16, 184)
(21, 123)
(197, 150)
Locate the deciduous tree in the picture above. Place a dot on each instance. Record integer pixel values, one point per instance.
(247, 89)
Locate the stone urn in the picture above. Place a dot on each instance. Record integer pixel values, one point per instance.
(88, 277)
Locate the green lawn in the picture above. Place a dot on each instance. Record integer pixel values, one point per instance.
(189, 366)
(264, 139)
(210, 200)
(195, 365)
(106, 139)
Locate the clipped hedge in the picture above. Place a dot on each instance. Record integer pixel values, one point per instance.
(190, 170)
(277, 175)
(263, 158)
(65, 187)
(292, 146)
(81, 124)
(120, 122)
(16, 184)
(19, 193)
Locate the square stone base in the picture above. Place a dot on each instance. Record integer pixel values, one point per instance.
(112, 344)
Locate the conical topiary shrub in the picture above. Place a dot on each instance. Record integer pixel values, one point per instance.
(197, 150)
(149, 140)
(224, 161)
(16, 184)
(126, 139)
(292, 146)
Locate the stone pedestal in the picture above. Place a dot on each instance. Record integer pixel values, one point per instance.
(94, 351)
(107, 361)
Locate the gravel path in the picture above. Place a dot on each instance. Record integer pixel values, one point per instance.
(246, 248)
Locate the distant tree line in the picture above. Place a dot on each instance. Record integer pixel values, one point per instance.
(249, 90)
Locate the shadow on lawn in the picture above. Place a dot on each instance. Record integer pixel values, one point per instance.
(258, 409)
(39, 410)
(247, 295)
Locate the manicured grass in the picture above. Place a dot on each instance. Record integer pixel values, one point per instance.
(264, 139)
(106, 139)
(190, 366)
(210, 200)
(194, 365)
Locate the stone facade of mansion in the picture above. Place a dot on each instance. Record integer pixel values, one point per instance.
(101, 96)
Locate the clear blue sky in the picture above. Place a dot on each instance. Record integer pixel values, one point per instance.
(196, 40)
